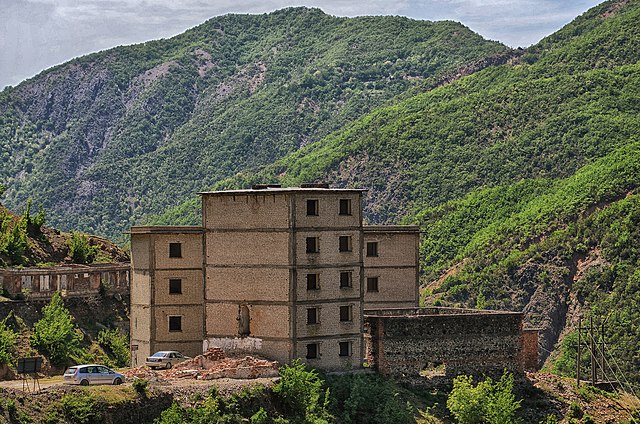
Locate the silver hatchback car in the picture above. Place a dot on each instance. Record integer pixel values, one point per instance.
(92, 374)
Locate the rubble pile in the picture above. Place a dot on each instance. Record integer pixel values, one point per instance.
(212, 364)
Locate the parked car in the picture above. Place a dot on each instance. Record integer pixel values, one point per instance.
(165, 359)
(92, 374)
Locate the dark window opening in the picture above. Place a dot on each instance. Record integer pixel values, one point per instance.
(372, 248)
(175, 250)
(312, 245)
(345, 207)
(243, 321)
(345, 313)
(345, 349)
(312, 315)
(345, 279)
(312, 351)
(372, 284)
(345, 243)
(312, 282)
(175, 286)
(175, 323)
(312, 207)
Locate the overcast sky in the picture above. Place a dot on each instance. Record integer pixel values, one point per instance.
(37, 34)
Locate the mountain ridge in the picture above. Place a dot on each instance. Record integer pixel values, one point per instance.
(110, 137)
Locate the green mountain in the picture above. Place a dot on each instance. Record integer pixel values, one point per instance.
(108, 138)
(524, 177)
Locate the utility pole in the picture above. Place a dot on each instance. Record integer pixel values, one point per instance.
(592, 345)
(602, 357)
(578, 360)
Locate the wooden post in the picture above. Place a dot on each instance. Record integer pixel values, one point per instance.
(592, 345)
(602, 357)
(578, 359)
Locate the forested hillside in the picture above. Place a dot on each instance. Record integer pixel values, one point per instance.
(524, 178)
(108, 138)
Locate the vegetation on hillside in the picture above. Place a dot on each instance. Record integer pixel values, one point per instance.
(26, 241)
(524, 178)
(55, 335)
(110, 137)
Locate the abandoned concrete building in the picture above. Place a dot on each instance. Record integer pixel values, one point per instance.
(72, 280)
(283, 273)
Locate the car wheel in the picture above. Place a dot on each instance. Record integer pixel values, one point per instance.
(117, 381)
(168, 365)
(84, 382)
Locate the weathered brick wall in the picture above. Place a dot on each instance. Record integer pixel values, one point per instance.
(74, 280)
(529, 354)
(405, 342)
(396, 266)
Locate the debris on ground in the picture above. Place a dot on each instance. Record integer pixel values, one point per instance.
(212, 364)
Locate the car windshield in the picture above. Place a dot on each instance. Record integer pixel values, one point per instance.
(159, 355)
(70, 370)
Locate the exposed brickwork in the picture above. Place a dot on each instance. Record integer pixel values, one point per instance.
(530, 358)
(249, 266)
(405, 342)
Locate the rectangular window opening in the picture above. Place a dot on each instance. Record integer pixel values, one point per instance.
(313, 282)
(312, 350)
(312, 315)
(345, 207)
(175, 286)
(344, 243)
(372, 284)
(345, 348)
(346, 279)
(345, 313)
(313, 245)
(175, 250)
(372, 248)
(175, 323)
(312, 207)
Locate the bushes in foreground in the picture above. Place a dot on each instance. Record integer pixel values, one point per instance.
(487, 402)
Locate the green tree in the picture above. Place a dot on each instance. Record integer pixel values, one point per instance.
(116, 344)
(80, 250)
(487, 402)
(33, 224)
(55, 334)
(7, 341)
(301, 393)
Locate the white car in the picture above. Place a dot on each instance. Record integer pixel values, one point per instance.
(165, 359)
(92, 374)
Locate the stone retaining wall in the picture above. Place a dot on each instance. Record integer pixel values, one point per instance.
(441, 343)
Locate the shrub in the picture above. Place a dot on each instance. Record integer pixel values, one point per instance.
(489, 402)
(260, 417)
(368, 399)
(116, 344)
(173, 415)
(574, 411)
(33, 224)
(300, 391)
(81, 408)
(55, 335)
(7, 341)
(80, 250)
(140, 386)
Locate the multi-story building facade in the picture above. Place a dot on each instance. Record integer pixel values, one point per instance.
(281, 272)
